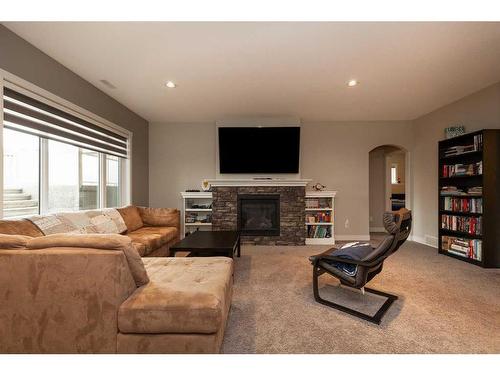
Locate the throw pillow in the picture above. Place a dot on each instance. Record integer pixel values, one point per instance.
(131, 217)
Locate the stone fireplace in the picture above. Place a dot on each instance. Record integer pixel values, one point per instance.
(266, 214)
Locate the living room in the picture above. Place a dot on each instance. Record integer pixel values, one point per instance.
(250, 187)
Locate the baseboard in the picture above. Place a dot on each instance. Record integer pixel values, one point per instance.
(377, 229)
(426, 240)
(352, 237)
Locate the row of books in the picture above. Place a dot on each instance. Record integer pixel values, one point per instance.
(454, 191)
(472, 169)
(473, 205)
(319, 217)
(318, 203)
(319, 231)
(471, 225)
(461, 246)
(477, 145)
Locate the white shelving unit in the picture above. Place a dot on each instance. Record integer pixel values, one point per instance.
(200, 199)
(320, 203)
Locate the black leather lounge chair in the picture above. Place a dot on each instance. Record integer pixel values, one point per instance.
(356, 265)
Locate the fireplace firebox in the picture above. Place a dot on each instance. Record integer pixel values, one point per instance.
(259, 214)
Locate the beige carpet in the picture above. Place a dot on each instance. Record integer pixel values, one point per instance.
(444, 306)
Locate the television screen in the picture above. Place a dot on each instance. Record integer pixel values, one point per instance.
(259, 149)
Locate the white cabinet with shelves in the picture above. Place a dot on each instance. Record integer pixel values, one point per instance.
(320, 217)
(196, 211)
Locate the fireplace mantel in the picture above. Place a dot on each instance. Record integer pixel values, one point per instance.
(258, 182)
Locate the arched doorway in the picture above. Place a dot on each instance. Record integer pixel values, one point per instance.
(388, 183)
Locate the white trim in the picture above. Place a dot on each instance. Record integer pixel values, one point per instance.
(258, 182)
(377, 229)
(103, 180)
(421, 240)
(127, 173)
(352, 237)
(196, 194)
(43, 183)
(321, 194)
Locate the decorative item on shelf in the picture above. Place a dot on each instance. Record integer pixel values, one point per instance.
(205, 185)
(205, 206)
(454, 131)
(318, 187)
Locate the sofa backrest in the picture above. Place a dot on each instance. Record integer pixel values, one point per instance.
(61, 300)
(133, 218)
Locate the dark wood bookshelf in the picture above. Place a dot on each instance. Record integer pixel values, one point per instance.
(456, 233)
(489, 180)
(460, 213)
(472, 153)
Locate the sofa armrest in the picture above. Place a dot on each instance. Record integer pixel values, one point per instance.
(161, 217)
(13, 241)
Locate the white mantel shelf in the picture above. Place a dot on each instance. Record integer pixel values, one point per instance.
(259, 182)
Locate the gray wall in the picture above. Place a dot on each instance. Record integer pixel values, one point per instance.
(333, 153)
(25, 61)
(480, 110)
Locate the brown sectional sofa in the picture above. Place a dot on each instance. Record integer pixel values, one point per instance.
(93, 293)
(152, 230)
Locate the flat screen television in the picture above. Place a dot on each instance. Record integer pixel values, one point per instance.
(254, 150)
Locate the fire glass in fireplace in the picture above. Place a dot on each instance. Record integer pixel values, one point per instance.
(259, 214)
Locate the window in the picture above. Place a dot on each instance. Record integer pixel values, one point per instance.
(21, 171)
(73, 178)
(55, 161)
(113, 181)
(394, 174)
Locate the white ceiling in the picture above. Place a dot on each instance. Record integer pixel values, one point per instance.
(226, 70)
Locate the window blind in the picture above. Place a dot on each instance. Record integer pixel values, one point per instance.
(32, 116)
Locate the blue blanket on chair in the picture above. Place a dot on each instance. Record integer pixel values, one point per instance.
(351, 250)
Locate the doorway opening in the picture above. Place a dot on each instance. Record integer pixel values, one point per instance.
(388, 183)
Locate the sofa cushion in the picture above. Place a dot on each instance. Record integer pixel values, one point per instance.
(148, 239)
(160, 217)
(185, 295)
(20, 226)
(105, 221)
(132, 218)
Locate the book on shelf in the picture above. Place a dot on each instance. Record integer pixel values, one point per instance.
(475, 190)
(454, 191)
(318, 231)
(473, 205)
(457, 170)
(319, 217)
(477, 145)
(463, 247)
(318, 203)
(470, 225)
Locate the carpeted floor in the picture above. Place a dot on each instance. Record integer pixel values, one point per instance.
(444, 306)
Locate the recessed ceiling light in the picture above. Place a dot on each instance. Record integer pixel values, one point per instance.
(171, 85)
(352, 83)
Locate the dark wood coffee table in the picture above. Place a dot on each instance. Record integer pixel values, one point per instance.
(205, 243)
